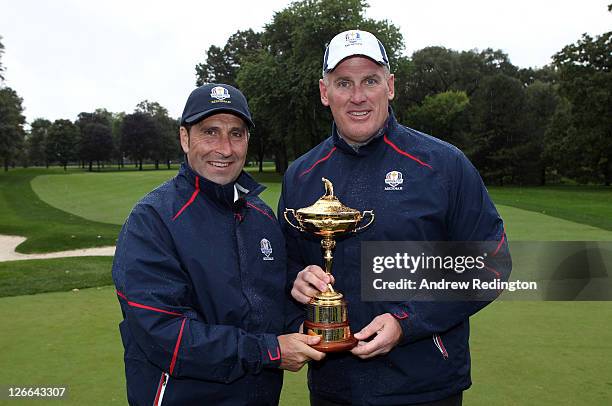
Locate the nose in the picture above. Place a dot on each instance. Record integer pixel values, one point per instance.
(224, 146)
(358, 95)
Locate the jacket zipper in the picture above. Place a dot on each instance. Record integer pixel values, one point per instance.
(161, 388)
(440, 345)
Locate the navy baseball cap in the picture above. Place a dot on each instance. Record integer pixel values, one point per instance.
(215, 98)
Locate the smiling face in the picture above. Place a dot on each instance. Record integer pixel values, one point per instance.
(358, 91)
(216, 147)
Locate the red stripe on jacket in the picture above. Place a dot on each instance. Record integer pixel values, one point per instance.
(260, 210)
(141, 306)
(325, 158)
(176, 347)
(395, 147)
(191, 199)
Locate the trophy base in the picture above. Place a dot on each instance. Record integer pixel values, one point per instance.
(336, 346)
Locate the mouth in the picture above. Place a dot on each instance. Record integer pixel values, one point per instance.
(359, 115)
(219, 164)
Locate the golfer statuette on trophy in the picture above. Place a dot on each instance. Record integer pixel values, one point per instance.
(326, 313)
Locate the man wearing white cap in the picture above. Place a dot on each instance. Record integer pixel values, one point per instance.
(421, 189)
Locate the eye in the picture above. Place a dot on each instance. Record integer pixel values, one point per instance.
(237, 134)
(343, 83)
(371, 82)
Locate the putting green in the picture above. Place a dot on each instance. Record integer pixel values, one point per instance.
(109, 197)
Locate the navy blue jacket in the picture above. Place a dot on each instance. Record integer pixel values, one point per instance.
(441, 198)
(201, 283)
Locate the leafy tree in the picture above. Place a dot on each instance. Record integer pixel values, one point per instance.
(585, 79)
(96, 143)
(11, 126)
(164, 140)
(441, 115)
(117, 120)
(280, 80)
(541, 101)
(36, 141)
(222, 64)
(136, 139)
(498, 136)
(62, 139)
(90, 132)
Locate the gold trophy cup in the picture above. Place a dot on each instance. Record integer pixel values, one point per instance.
(326, 313)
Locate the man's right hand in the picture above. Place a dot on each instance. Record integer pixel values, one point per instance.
(296, 350)
(310, 281)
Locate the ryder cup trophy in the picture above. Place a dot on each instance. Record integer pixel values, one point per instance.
(326, 313)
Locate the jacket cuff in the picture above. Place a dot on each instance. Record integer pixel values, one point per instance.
(400, 313)
(270, 353)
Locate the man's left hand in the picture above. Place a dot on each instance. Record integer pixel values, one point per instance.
(387, 331)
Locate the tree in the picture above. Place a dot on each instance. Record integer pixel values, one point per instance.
(222, 64)
(498, 136)
(95, 128)
(62, 142)
(541, 101)
(117, 121)
(136, 136)
(11, 126)
(36, 141)
(585, 79)
(164, 140)
(280, 80)
(441, 115)
(96, 143)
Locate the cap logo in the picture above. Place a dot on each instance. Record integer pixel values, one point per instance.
(352, 38)
(219, 93)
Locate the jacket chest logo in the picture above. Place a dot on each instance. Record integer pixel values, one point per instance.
(394, 179)
(266, 249)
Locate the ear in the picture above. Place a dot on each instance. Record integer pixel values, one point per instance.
(184, 136)
(391, 86)
(323, 92)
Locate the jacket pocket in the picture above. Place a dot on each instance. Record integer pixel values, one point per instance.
(161, 389)
(440, 345)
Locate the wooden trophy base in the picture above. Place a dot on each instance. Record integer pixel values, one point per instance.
(334, 337)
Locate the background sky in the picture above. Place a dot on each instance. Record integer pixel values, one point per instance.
(68, 56)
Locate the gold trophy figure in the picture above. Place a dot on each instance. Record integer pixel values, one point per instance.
(326, 313)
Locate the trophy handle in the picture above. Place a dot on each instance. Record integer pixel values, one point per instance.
(289, 221)
(371, 213)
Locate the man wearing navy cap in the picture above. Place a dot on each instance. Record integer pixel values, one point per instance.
(200, 272)
(421, 189)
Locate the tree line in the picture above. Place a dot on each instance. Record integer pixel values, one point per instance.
(517, 125)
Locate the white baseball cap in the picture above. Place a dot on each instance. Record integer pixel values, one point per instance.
(354, 42)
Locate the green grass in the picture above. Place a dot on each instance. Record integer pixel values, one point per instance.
(53, 275)
(523, 225)
(68, 338)
(582, 204)
(541, 353)
(108, 197)
(46, 228)
(105, 197)
(524, 353)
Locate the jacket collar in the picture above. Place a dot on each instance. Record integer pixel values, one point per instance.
(223, 194)
(372, 145)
